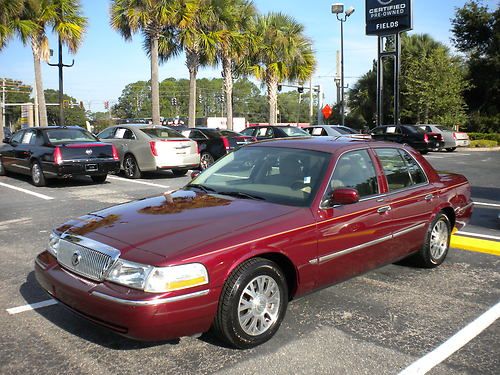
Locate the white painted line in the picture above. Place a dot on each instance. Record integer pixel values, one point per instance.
(487, 204)
(478, 235)
(138, 182)
(46, 197)
(454, 343)
(435, 157)
(33, 306)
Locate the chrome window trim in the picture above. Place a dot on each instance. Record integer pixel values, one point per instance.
(326, 258)
(153, 302)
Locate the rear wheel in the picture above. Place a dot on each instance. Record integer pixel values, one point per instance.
(179, 172)
(206, 160)
(131, 168)
(451, 149)
(437, 243)
(3, 172)
(99, 179)
(252, 304)
(37, 175)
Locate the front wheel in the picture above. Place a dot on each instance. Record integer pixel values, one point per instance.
(37, 175)
(436, 245)
(99, 179)
(252, 304)
(451, 149)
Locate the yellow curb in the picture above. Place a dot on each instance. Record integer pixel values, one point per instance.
(475, 244)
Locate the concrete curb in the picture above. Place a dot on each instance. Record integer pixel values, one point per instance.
(475, 149)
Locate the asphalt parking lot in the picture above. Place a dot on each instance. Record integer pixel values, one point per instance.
(379, 323)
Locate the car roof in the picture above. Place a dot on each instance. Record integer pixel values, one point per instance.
(323, 144)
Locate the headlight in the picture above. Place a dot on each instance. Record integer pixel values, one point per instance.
(157, 279)
(53, 243)
(129, 274)
(167, 279)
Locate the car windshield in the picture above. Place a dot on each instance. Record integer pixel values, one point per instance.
(162, 133)
(444, 128)
(229, 133)
(415, 129)
(274, 174)
(340, 130)
(293, 131)
(62, 135)
(348, 130)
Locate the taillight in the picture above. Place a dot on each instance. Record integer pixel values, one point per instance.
(115, 153)
(225, 141)
(154, 151)
(454, 135)
(58, 156)
(426, 138)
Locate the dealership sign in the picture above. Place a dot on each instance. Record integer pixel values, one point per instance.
(386, 17)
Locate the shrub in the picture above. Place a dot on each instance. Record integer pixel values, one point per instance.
(486, 136)
(483, 143)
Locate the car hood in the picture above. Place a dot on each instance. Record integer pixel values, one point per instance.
(171, 224)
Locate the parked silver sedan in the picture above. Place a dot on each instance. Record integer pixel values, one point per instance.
(146, 148)
(334, 131)
(452, 139)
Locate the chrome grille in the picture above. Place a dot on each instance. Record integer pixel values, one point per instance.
(83, 260)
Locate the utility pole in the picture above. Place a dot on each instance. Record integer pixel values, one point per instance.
(310, 101)
(60, 65)
(2, 110)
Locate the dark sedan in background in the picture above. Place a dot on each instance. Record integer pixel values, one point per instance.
(214, 143)
(411, 135)
(57, 152)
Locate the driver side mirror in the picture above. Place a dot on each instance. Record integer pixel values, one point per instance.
(344, 196)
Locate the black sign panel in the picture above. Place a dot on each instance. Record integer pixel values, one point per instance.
(386, 17)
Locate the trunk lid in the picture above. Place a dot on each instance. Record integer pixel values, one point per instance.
(87, 151)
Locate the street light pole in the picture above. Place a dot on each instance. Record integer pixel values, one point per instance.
(338, 10)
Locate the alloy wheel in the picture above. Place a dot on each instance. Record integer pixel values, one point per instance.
(206, 160)
(439, 239)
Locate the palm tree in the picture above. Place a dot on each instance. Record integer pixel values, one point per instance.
(283, 53)
(10, 12)
(234, 18)
(151, 17)
(66, 20)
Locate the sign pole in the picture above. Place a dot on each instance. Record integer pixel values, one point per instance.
(397, 74)
(380, 82)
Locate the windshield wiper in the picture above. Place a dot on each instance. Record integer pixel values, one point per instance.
(240, 194)
(204, 188)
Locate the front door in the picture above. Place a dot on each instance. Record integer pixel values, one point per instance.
(357, 237)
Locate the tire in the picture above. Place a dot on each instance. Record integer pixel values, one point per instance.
(436, 245)
(131, 167)
(206, 160)
(451, 149)
(37, 176)
(236, 302)
(179, 172)
(99, 179)
(3, 172)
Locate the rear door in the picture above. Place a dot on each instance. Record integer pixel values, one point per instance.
(410, 198)
(9, 154)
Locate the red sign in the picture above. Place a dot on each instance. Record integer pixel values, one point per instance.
(327, 111)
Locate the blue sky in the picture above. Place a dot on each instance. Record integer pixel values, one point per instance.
(106, 63)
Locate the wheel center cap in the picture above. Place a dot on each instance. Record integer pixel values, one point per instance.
(259, 304)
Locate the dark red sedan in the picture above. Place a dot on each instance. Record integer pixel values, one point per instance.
(264, 225)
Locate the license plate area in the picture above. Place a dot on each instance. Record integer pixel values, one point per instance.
(91, 167)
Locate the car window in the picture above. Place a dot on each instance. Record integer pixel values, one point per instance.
(293, 131)
(194, 134)
(416, 173)
(162, 133)
(106, 133)
(16, 138)
(316, 131)
(340, 130)
(265, 132)
(379, 130)
(124, 133)
(444, 128)
(354, 170)
(61, 135)
(229, 133)
(395, 168)
(275, 174)
(248, 131)
(29, 137)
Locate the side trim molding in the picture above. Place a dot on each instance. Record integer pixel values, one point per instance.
(153, 302)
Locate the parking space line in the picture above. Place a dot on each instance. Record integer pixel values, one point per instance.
(479, 235)
(454, 343)
(32, 306)
(42, 196)
(487, 204)
(138, 182)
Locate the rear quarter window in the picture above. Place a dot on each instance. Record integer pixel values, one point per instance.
(395, 168)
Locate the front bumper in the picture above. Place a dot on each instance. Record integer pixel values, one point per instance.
(129, 312)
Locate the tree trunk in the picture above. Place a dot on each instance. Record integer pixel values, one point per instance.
(227, 73)
(272, 97)
(192, 63)
(42, 107)
(155, 86)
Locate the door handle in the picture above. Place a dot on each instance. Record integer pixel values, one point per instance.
(429, 197)
(384, 209)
